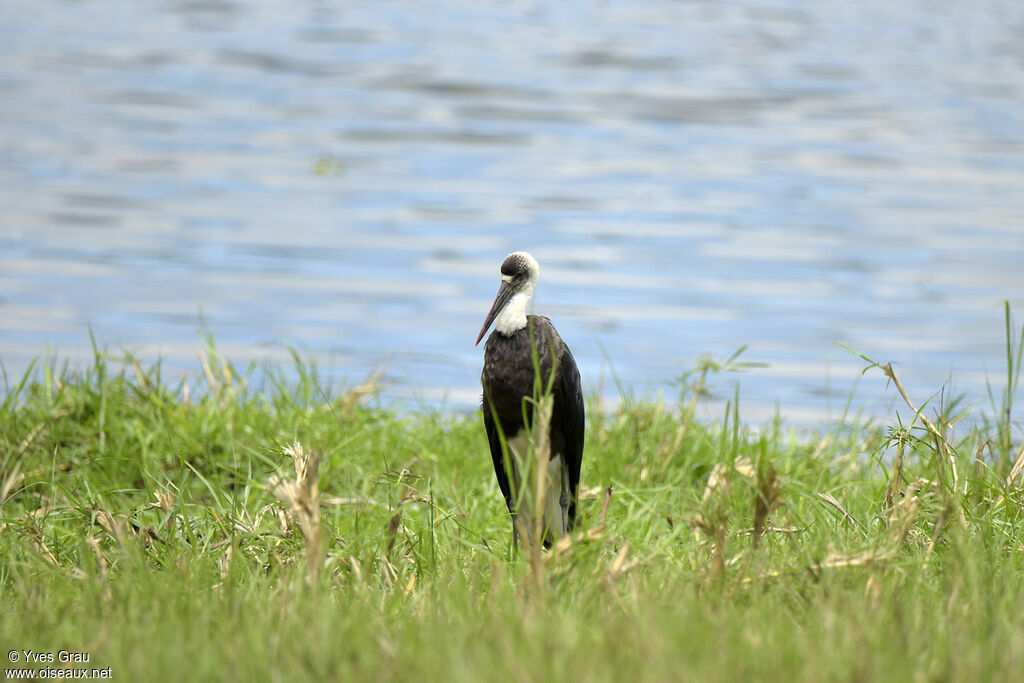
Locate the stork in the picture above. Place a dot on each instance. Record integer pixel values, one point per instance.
(508, 385)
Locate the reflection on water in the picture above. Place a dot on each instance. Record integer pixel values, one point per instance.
(346, 178)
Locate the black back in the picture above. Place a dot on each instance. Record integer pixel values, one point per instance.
(508, 377)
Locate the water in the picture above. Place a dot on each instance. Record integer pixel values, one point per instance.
(692, 176)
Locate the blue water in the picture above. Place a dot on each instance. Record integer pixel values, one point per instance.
(346, 178)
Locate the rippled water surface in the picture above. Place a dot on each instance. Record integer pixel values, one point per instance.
(346, 178)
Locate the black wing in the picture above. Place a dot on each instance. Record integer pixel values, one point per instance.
(569, 418)
(497, 457)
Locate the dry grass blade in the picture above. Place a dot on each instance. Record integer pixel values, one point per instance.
(713, 520)
(302, 494)
(940, 525)
(717, 481)
(11, 480)
(409, 587)
(28, 440)
(101, 563)
(979, 462)
(1018, 466)
(225, 371)
(902, 518)
(43, 550)
(371, 386)
(620, 566)
(224, 562)
(14, 476)
(542, 455)
(1015, 470)
(835, 560)
(211, 379)
(832, 561)
(567, 542)
(604, 505)
(830, 499)
(39, 545)
(357, 569)
(745, 468)
(164, 501)
(342, 500)
(115, 527)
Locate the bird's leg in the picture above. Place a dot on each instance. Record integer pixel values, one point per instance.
(515, 535)
(563, 500)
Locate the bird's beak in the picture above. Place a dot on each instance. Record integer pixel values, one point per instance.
(505, 293)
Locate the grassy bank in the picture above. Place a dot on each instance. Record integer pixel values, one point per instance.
(158, 529)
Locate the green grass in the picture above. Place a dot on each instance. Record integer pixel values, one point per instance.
(139, 525)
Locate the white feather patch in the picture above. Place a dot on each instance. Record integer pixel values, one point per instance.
(513, 316)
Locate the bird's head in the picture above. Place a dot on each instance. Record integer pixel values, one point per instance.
(519, 273)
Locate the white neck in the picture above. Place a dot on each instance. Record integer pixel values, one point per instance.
(513, 316)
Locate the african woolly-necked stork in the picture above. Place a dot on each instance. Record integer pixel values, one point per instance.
(508, 378)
